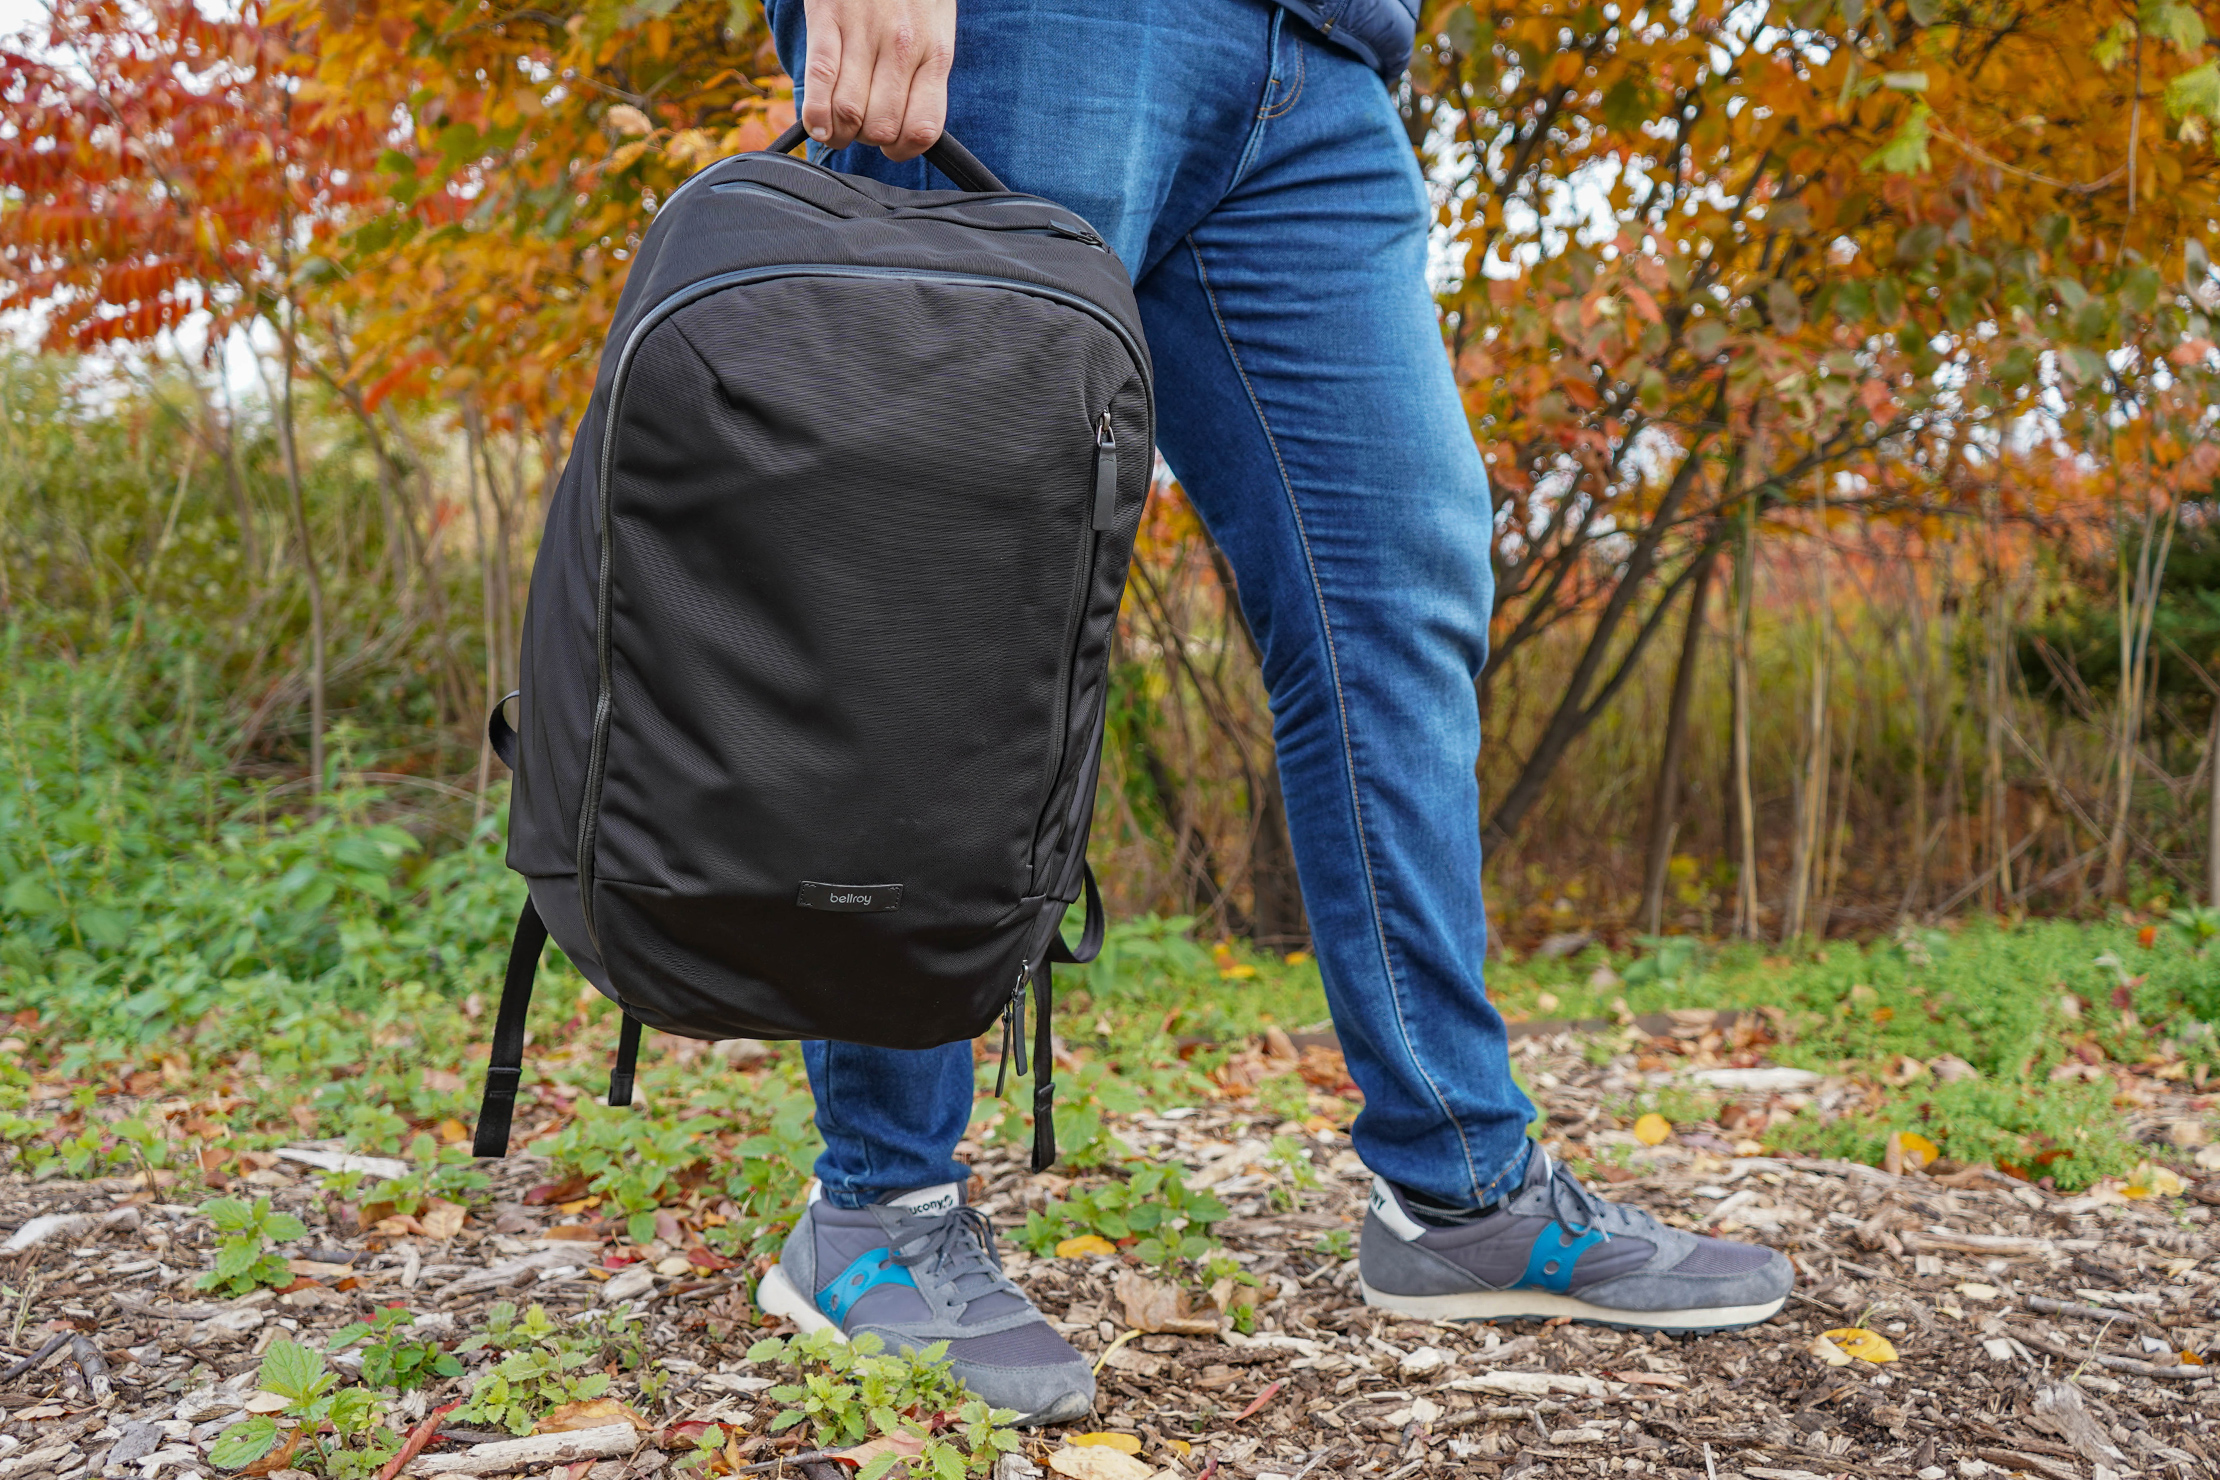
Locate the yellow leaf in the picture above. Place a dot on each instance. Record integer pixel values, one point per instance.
(1866, 1346)
(2191, 1359)
(453, 1131)
(1084, 1246)
(1652, 1129)
(1125, 1443)
(1918, 1150)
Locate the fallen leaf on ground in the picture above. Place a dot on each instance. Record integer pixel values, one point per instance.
(1123, 1443)
(1086, 1245)
(901, 1446)
(1918, 1150)
(1095, 1462)
(1151, 1305)
(1866, 1346)
(278, 1458)
(1652, 1129)
(1261, 1399)
(1978, 1291)
(595, 1413)
(1828, 1352)
(442, 1219)
(578, 1231)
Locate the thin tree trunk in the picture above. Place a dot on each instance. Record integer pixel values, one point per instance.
(250, 537)
(1837, 839)
(454, 679)
(1998, 890)
(472, 444)
(499, 632)
(1665, 795)
(1914, 901)
(1813, 787)
(298, 501)
(2138, 608)
(1584, 698)
(1746, 899)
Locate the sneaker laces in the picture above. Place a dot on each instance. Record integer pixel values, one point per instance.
(952, 1247)
(1589, 1211)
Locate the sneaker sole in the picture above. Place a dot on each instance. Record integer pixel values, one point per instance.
(1540, 1305)
(777, 1296)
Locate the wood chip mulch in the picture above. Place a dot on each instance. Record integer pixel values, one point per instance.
(2036, 1334)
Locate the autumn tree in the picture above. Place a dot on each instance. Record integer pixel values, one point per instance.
(161, 180)
(1718, 257)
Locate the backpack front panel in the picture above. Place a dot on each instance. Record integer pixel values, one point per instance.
(851, 565)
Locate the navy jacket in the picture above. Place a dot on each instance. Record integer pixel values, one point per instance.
(1379, 31)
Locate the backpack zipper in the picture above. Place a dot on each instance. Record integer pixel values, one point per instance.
(597, 756)
(1106, 474)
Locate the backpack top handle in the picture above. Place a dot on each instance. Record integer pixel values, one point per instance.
(952, 159)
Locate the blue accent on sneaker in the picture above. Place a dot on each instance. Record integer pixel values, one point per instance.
(1549, 1265)
(859, 1279)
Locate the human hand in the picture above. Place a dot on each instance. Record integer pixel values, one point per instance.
(878, 71)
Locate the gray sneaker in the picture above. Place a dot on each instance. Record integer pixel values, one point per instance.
(1553, 1248)
(920, 1267)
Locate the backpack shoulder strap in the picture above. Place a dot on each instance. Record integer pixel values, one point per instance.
(1044, 1037)
(505, 1066)
(628, 1057)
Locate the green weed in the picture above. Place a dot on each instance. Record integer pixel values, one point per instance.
(850, 1392)
(359, 1443)
(544, 1366)
(244, 1259)
(391, 1360)
(1169, 1224)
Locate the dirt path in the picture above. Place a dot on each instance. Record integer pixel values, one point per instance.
(2036, 1334)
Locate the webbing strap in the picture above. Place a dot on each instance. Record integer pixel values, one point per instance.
(628, 1056)
(1090, 935)
(505, 1066)
(1044, 1037)
(1044, 1067)
(500, 734)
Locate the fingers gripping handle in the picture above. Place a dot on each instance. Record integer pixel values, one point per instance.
(952, 159)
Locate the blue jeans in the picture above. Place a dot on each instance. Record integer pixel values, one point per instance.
(1259, 185)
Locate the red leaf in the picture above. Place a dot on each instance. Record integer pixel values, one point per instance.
(419, 1436)
(1261, 1399)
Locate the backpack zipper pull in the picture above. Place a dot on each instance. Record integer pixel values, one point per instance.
(1106, 477)
(1013, 1030)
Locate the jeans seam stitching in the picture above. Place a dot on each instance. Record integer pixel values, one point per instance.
(1271, 111)
(1341, 709)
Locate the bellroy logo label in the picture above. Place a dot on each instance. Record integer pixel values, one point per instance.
(854, 899)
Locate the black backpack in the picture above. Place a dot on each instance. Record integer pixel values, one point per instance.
(816, 657)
